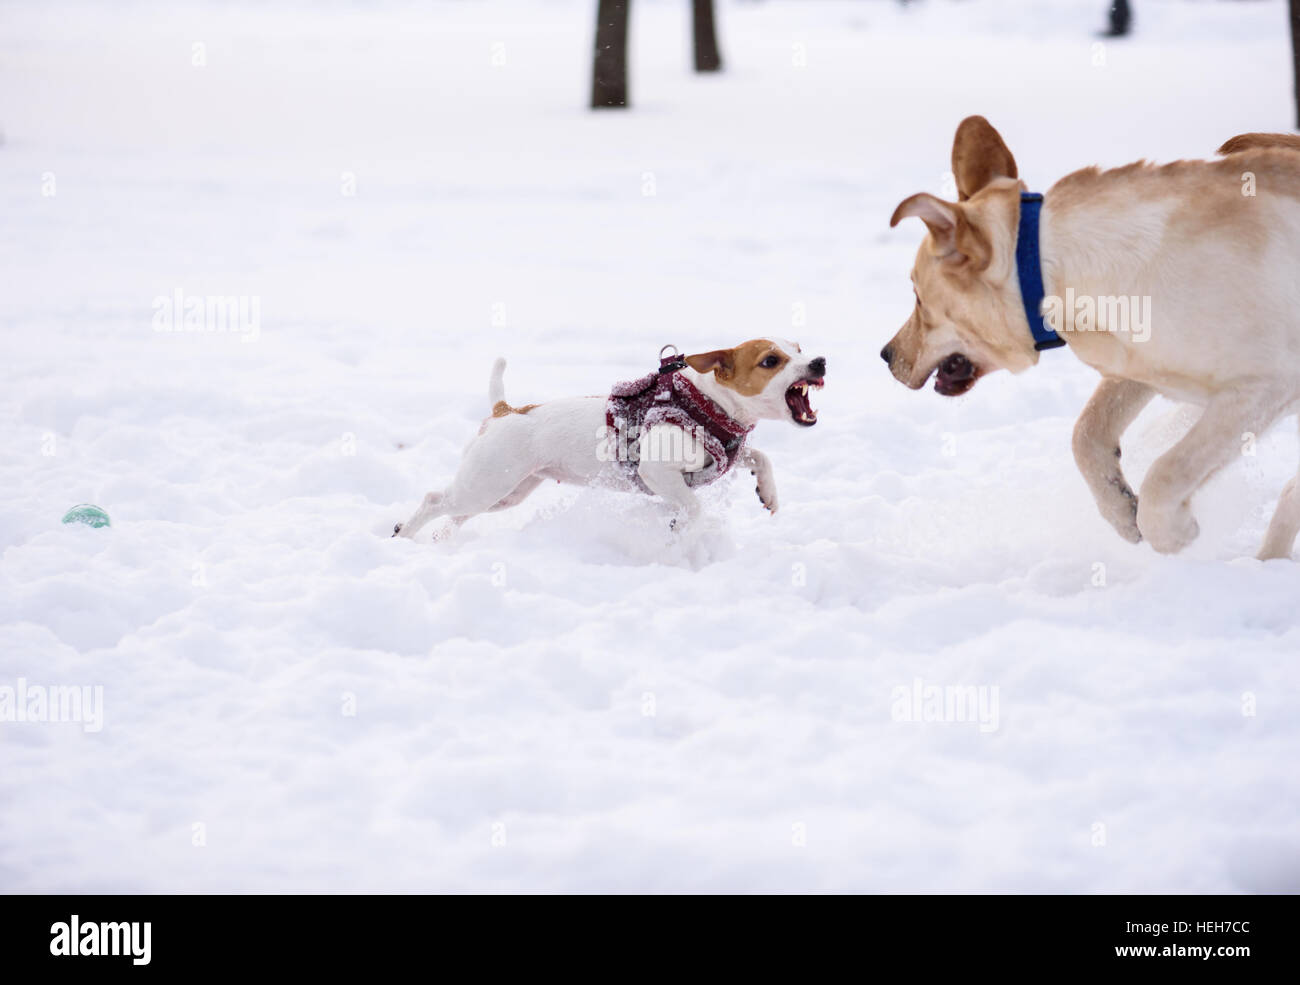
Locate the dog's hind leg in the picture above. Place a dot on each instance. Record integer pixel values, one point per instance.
(1164, 513)
(430, 508)
(480, 485)
(1114, 405)
(521, 492)
(493, 469)
(462, 507)
(1284, 525)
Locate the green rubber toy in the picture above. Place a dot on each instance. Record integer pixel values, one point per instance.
(90, 515)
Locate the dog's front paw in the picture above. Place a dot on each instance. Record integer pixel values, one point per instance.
(1121, 512)
(684, 520)
(766, 490)
(1167, 529)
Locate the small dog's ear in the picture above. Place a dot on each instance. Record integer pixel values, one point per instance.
(955, 239)
(979, 155)
(720, 362)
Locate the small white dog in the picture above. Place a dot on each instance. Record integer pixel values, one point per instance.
(682, 426)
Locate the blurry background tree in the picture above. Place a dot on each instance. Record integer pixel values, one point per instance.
(1295, 55)
(1120, 18)
(707, 58)
(609, 68)
(609, 74)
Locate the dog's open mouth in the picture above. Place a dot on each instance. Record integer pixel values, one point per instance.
(796, 399)
(956, 375)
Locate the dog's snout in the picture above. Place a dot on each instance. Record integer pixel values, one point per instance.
(887, 354)
(818, 366)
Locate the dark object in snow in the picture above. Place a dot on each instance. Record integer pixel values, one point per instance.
(667, 397)
(707, 57)
(609, 72)
(1295, 54)
(1120, 19)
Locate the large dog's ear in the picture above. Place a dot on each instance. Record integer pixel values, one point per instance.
(937, 214)
(954, 237)
(720, 362)
(978, 156)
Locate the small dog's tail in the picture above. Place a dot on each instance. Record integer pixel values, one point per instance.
(1256, 141)
(496, 384)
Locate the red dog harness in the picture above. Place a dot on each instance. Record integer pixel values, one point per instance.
(668, 397)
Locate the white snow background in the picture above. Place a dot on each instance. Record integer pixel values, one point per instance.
(564, 697)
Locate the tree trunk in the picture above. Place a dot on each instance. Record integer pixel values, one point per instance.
(609, 75)
(707, 58)
(1120, 18)
(1295, 54)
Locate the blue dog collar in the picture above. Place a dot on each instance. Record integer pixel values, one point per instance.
(1029, 266)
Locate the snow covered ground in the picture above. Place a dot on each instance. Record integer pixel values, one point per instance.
(563, 697)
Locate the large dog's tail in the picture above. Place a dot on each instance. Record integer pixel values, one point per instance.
(1257, 141)
(496, 384)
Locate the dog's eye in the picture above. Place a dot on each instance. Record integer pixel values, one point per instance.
(771, 362)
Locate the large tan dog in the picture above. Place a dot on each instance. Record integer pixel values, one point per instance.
(1210, 249)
